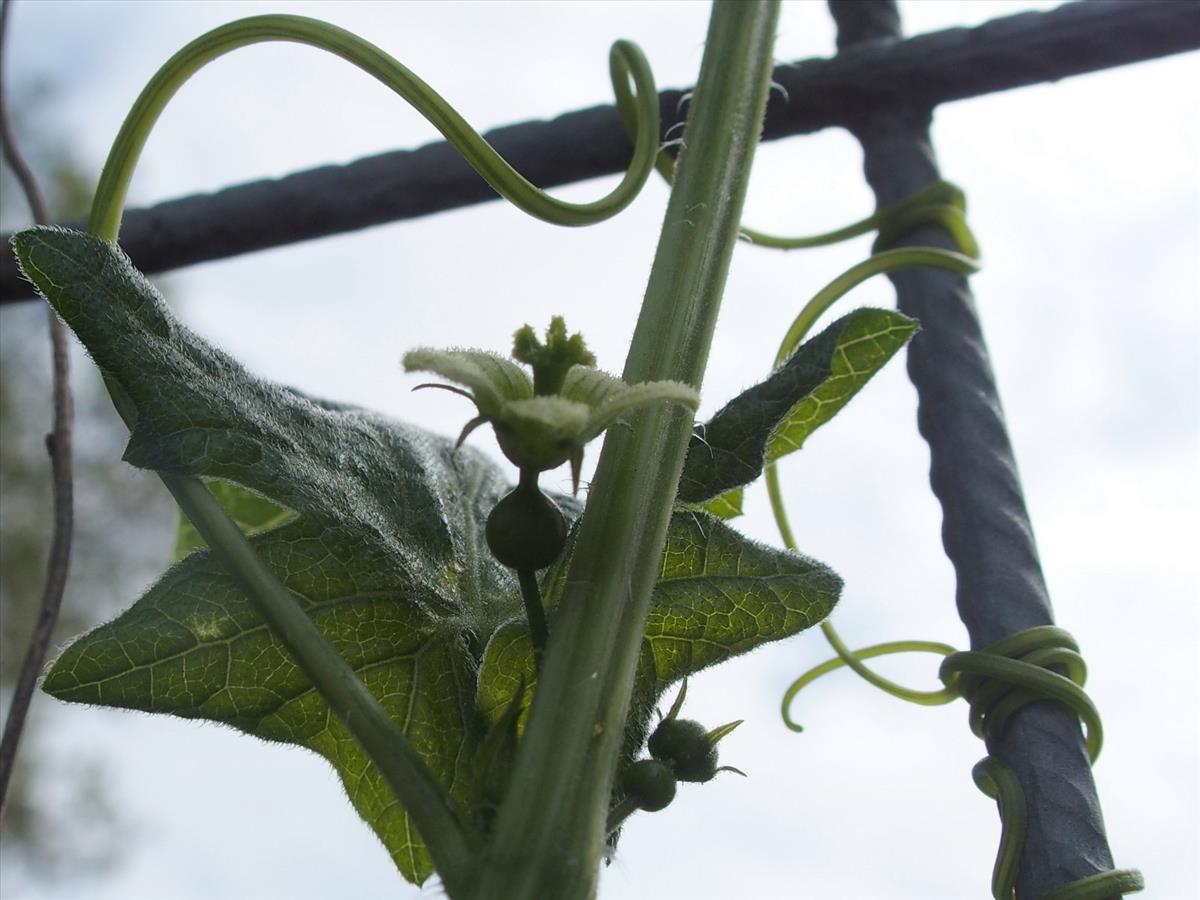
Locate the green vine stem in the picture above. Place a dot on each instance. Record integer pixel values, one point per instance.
(1015, 671)
(997, 781)
(535, 613)
(878, 264)
(999, 680)
(550, 831)
(996, 682)
(625, 62)
(853, 658)
(941, 203)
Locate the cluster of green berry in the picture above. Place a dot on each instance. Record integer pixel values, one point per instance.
(680, 750)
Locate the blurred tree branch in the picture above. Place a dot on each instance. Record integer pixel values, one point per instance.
(58, 444)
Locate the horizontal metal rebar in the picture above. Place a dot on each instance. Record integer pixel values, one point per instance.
(924, 71)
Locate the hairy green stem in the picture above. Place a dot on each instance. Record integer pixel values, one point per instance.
(625, 62)
(550, 831)
(535, 613)
(625, 808)
(878, 264)
(853, 659)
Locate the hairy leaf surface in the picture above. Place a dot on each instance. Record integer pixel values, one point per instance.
(385, 550)
(718, 595)
(776, 416)
(377, 528)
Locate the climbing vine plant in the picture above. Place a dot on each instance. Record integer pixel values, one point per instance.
(479, 661)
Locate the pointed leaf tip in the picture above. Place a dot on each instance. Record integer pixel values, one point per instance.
(776, 416)
(722, 731)
(673, 713)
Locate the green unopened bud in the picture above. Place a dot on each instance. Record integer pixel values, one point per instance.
(683, 745)
(551, 361)
(544, 422)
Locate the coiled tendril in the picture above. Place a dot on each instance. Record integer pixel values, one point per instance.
(626, 62)
(1016, 671)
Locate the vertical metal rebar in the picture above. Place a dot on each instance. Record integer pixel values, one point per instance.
(986, 529)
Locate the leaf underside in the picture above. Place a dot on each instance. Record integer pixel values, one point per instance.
(718, 595)
(377, 528)
(776, 416)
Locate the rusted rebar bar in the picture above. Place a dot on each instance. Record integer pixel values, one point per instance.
(954, 64)
(986, 529)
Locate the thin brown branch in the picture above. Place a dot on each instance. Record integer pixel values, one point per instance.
(58, 444)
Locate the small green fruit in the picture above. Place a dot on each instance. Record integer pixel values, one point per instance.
(525, 530)
(686, 747)
(650, 783)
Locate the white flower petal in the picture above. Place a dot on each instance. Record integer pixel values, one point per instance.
(618, 403)
(591, 386)
(492, 379)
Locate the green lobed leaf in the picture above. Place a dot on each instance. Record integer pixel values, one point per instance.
(385, 552)
(776, 416)
(727, 505)
(869, 338)
(377, 527)
(719, 595)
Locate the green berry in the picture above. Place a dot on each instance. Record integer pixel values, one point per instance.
(686, 747)
(650, 783)
(525, 530)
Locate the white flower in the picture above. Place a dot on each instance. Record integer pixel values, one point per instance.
(541, 429)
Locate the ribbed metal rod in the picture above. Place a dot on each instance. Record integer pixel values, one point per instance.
(985, 528)
(1013, 51)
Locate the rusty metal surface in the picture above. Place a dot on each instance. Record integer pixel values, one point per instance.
(954, 64)
(985, 529)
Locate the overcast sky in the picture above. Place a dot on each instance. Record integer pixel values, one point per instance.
(1085, 197)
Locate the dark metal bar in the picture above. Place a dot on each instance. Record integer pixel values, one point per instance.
(986, 528)
(1014, 51)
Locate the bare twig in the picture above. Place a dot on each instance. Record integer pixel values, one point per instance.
(58, 444)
